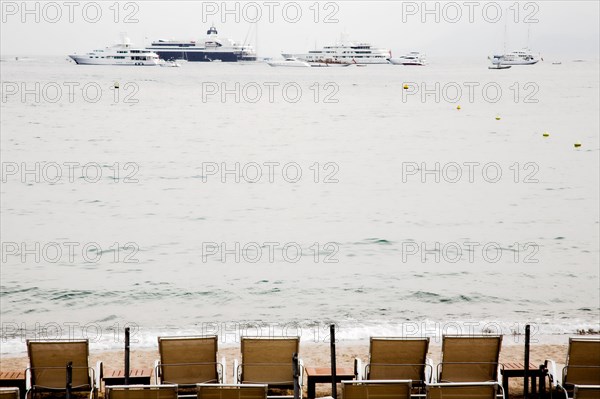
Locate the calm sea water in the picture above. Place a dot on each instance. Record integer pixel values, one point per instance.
(365, 237)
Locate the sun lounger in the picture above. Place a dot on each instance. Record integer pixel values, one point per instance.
(376, 389)
(48, 367)
(232, 391)
(465, 390)
(470, 358)
(586, 391)
(582, 368)
(187, 361)
(268, 361)
(141, 392)
(9, 393)
(393, 358)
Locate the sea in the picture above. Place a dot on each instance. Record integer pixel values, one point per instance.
(242, 199)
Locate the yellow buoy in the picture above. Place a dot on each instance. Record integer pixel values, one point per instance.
(116, 85)
(405, 87)
(458, 107)
(546, 134)
(577, 144)
(497, 117)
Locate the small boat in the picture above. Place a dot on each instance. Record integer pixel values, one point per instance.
(169, 64)
(499, 66)
(498, 63)
(414, 58)
(289, 62)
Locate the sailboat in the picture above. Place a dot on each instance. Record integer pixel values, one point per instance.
(517, 57)
(247, 43)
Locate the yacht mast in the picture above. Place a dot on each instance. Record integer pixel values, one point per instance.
(505, 31)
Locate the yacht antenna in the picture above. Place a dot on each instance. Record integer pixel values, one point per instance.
(505, 31)
(247, 35)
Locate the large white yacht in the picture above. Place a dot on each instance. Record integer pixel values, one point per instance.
(346, 52)
(211, 48)
(519, 57)
(120, 54)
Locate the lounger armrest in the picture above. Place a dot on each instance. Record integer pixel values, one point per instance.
(555, 378)
(236, 372)
(429, 367)
(157, 372)
(27, 379)
(357, 369)
(301, 373)
(99, 374)
(223, 373)
(500, 372)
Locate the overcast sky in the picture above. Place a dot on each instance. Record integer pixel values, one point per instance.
(463, 28)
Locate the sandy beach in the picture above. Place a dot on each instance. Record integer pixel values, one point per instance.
(316, 355)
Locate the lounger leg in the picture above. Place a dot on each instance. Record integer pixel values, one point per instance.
(505, 385)
(542, 382)
(311, 389)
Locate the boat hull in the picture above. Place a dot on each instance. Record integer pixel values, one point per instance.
(86, 60)
(337, 59)
(512, 59)
(407, 63)
(202, 56)
(289, 64)
(328, 64)
(505, 62)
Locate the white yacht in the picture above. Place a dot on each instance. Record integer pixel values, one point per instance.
(288, 62)
(519, 57)
(346, 52)
(120, 54)
(412, 58)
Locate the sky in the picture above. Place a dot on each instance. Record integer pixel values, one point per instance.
(440, 29)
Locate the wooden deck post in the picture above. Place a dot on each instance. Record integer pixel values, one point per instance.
(526, 365)
(69, 379)
(127, 371)
(333, 362)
